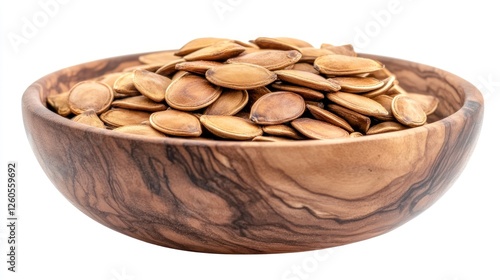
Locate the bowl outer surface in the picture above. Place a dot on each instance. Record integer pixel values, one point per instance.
(247, 197)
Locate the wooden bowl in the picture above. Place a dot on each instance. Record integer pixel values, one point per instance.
(254, 197)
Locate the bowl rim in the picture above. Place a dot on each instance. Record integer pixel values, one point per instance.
(32, 101)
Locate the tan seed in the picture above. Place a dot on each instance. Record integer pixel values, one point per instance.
(269, 59)
(388, 83)
(315, 129)
(230, 102)
(140, 102)
(168, 68)
(125, 84)
(307, 79)
(386, 101)
(329, 117)
(385, 127)
(282, 130)
(276, 43)
(294, 42)
(277, 107)
(60, 103)
(254, 95)
(408, 111)
(199, 43)
(176, 123)
(240, 76)
(360, 104)
(150, 84)
(158, 57)
(428, 103)
(191, 92)
(147, 67)
(304, 67)
(357, 84)
(341, 65)
(89, 117)
(309, 54)
(231, 127)
(141, 129)
(110, 78)
(218, 52)
(120, 117)
(356, 120)
(88, 95)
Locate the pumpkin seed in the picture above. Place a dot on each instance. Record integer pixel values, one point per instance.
(294, 42)
(408, 111)
(125, 84)
(341, 65)
(329, 117)
(356, 120)
(89, 117)
(60, 103)
(141, 129)
(282, 130)
(158, 57)
(240, 76)
(231, 127)
(230, 102)
(269, 59)
(304, 67)
(197, 44)
(386, 101)
(168, 68)
(88, 95)
(277, 108)
(388, 83)
(140, 102)
(176, 123)
(357, 84)
(358, 103)
(385, 127)
(343, 49)
(150, 84)
(307, 79)
(219, 51)
(309, 54)
(306, 93)
(120, 117)
(191, 92)
(276, 43)
(315, 129)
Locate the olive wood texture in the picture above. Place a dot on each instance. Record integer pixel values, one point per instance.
(254, 197)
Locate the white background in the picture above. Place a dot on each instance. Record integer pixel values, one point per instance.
(456, 239)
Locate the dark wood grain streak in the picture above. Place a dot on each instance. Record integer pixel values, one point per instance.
(232, 197)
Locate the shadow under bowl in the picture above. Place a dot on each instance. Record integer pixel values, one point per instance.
(254, 197)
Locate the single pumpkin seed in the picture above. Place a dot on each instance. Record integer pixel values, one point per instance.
(191, 92)
(357, 84)
(294, 42)
(276, 43)
(147, 67)
(384, 127)
(282, 130)
(329, 117)
(125, 85)
(254, 95)
(140, 129)
(341, 65)
(90, 95)
(408, 111)
(199, 43)
(428, 103)
(396, 89)
(60, 103)
(360, 104)
(140, 102)
(220, 51)
(307, 79)
(386, 101)
(89, 117)
(269, 59)
(231, 127)
(176, 123)
(230, 102)
(150, 84)
(309, 54)
(197, 67)
(302, 66)
(240, 76)
(277, 107)
(168, 68)
(388, 83)
(119, 117)
(315, 129)
(356, 120)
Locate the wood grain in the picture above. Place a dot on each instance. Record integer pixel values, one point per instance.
(233, 197)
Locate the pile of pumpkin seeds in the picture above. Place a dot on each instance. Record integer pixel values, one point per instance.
(269, 89)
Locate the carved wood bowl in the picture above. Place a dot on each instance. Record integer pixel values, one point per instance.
(255, 197)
